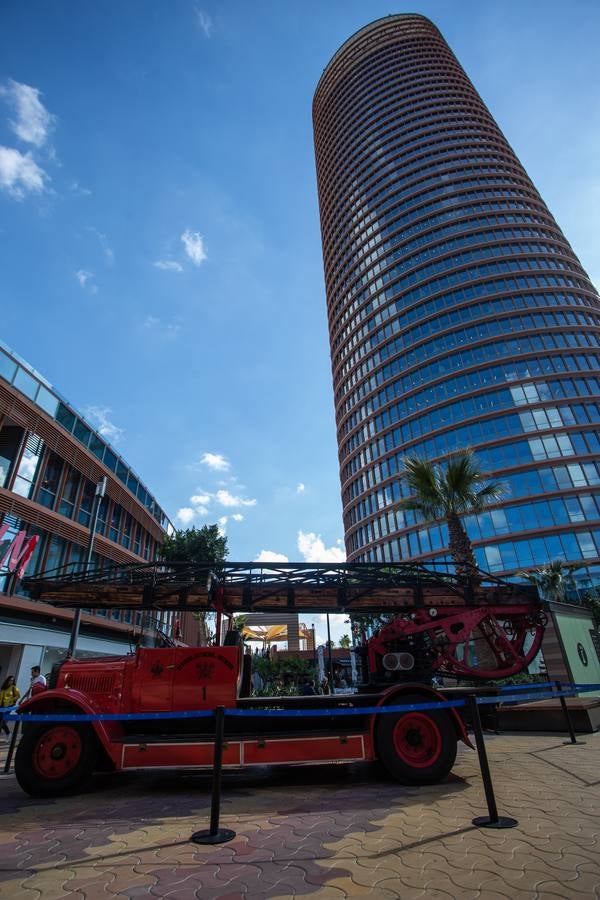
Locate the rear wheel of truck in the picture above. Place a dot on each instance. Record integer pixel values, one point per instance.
(416, 747)
(55, 758)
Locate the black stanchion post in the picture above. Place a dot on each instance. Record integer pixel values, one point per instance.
(493, 820)
(11, 747)
(216, 835)
(567, 715)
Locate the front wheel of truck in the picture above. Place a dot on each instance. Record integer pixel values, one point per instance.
(55, 758)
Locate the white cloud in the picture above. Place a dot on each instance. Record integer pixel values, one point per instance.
(99, 417)
(313, 549)
(33, 121)
(168, 265)
(226, 499)
(300, 488)
(215, 461)
(162, 329)
(194, 246)
(204, 21)
(271, 556)
(185, 515)
(84, 278)
(222, 521)
(200, 499)
(237, 517)
(19, 173)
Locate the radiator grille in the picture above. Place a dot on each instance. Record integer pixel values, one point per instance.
(91, 684)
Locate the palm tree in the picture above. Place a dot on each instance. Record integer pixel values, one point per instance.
(345, 641)
(445, 492)
(553, 579)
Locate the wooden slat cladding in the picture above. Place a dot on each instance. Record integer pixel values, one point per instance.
(34, 514)
(29, 416)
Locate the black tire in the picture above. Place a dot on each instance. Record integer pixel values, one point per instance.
(416, 747)
(55, 758)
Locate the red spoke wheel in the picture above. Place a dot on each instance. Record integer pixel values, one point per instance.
(54, 759)
(58, 752)
(416, 747)
(417, 740)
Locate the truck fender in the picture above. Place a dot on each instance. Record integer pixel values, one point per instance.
(394, 695)
(45, 703)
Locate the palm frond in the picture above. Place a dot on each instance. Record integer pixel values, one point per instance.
(458, 486)
(492, 492)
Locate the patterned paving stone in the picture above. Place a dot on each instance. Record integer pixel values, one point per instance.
(326, 832)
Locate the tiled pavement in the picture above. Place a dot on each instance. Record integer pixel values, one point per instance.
(330, 832)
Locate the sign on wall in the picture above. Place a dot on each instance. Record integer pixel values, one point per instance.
(577, 640)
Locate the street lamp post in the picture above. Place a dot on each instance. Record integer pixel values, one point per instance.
(98, 495)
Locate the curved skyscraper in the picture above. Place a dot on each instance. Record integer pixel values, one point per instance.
(459, 316)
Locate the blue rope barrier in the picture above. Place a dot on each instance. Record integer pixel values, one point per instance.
(567, 690)
(524, 698)
(345, 710)
(538, 685)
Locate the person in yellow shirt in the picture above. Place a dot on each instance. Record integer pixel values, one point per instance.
(9, 694)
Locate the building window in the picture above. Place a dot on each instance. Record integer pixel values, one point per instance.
(126, 539)
(69, 496)
(56, 553)
(82, 432)
(29, 466)
(65, 417)
(115, 522)
(97, 446)
(77, 557)
(102, 515)
(50, 480)
(87, 503)
(10, 441)
(137, 545)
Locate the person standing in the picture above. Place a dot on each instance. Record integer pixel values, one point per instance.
(9, 694)
(38, 681)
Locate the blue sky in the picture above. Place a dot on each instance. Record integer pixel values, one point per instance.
(159, 230)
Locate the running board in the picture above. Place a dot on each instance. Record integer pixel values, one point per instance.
(254, 752)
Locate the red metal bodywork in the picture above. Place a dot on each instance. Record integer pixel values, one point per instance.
(180, 679)
(484, 642)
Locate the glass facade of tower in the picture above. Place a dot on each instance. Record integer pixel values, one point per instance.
(459, 315)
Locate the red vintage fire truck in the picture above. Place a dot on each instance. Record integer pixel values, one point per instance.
(438, 625)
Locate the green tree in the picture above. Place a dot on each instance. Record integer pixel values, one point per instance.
(345, 641)
(445, 492)
(197, 545)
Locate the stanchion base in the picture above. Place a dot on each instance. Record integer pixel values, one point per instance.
(573, 743)
(501, 822)
(221, 836)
